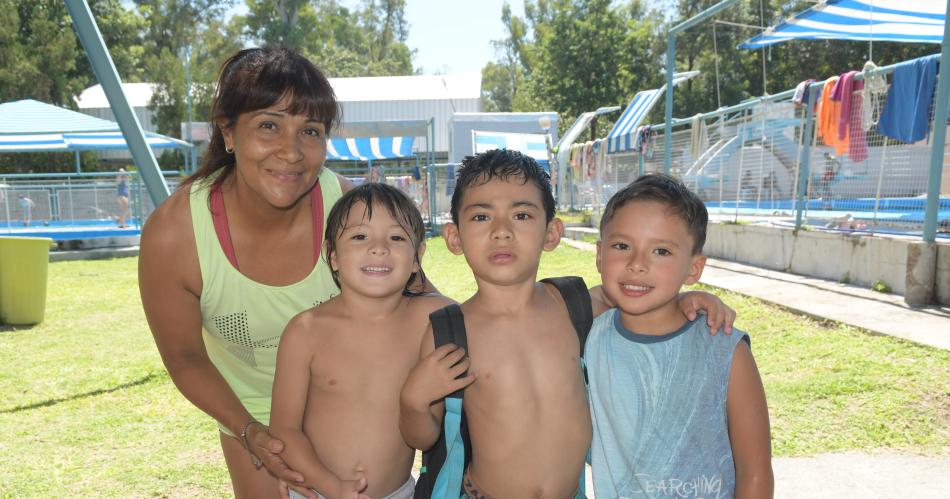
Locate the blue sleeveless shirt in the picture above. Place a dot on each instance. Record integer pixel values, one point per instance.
(658, 405)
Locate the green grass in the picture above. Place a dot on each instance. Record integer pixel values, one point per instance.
(87, 410)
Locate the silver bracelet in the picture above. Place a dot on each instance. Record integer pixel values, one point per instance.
(256, 461)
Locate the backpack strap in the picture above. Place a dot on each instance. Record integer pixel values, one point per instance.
(577, 298)
(448, 326)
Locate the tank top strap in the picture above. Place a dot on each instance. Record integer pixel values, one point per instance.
(222, 229)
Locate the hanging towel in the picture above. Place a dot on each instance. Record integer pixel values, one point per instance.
(857, 137)
(842, 94)
(801, 92)
(698, 138)
(906, 114)
(829, 112)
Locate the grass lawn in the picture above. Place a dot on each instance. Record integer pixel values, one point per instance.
(87, 410)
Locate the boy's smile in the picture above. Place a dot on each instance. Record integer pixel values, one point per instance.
(645, 256)
(502, 230)
(374, 256)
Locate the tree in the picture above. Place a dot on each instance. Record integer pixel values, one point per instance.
(369, 41)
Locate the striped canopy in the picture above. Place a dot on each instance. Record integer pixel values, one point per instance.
(909, 21)
(369, 148)
(623, 137)
(534, 145)
(54, 142)
(33, 126)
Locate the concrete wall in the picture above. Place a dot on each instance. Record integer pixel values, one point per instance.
(919, 271)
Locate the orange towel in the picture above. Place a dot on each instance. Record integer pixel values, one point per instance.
(829, 113)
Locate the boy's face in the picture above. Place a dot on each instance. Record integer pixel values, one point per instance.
(644, 257)
(374, 256)
(502, 230)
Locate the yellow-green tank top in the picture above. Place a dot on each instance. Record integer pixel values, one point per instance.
(243, 319)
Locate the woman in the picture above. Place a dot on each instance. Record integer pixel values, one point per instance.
(234, 253)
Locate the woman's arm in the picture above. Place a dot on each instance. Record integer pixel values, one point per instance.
(170, 287)
(749, 431)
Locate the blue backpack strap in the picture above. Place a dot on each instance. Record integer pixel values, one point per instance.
(577, 298)
(448, 326)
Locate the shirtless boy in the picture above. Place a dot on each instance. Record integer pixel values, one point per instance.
(527, 412)
(341, 365)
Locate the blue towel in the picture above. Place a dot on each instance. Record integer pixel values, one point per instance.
(906, 114)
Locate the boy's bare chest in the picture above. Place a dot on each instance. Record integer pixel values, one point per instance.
(537, 360)
(369, 362)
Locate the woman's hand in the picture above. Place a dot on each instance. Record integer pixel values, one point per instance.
(718, 314)
(266, 448)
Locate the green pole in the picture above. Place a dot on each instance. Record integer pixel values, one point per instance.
(939, 137)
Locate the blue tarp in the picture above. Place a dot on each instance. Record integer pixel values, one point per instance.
(909, 21)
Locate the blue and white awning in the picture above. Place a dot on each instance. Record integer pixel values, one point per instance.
(56, 142)
(622, 137)
(369, 148)
(534, 145)
(909, 21)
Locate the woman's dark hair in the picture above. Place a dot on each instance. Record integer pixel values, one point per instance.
(399, 206)
(665, 189)
(257, 78)
(504, 164)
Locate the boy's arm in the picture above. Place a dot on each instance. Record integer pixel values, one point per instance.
(421, 408)
(291, 389)
(749, 427)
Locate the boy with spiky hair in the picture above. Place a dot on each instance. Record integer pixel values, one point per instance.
(527, 413)
(676, 411)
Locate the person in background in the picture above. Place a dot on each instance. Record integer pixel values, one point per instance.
(26, 208)
(122, 196)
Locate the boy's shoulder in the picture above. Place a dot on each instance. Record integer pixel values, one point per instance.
(429, 302)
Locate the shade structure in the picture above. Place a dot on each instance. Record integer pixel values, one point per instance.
(622, 137)
(908, 21)
(369, 148)
(33, 126)
(81, 142)
(534, 145)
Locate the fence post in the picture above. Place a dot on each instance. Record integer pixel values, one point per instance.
(430, 185)
(939, 138)
(805, 155)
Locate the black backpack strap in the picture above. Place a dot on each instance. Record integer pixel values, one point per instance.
(577, 297)
(448, 326)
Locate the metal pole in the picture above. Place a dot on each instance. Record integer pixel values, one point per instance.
(191, 119)
(102, 66)
(671, 68)
(939, 138)
(805, 155)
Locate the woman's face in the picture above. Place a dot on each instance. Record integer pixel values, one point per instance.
(278, 155)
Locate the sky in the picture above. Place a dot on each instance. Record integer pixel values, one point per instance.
(454, 36)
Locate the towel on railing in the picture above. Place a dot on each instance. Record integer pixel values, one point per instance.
(906, 114)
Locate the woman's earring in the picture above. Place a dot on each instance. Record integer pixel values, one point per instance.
(229, 150)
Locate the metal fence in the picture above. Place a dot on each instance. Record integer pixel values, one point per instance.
(87, 198)
(747, 165)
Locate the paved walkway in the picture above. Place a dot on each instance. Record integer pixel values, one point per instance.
(850, 474)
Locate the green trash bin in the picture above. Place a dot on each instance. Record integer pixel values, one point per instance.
(23, 266)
